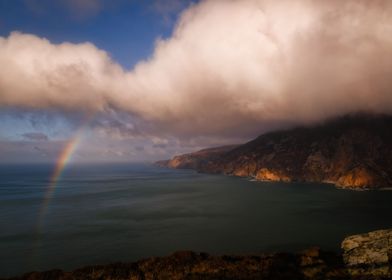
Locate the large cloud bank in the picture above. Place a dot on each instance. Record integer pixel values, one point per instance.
(230, 67)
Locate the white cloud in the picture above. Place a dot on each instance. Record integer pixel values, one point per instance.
(231, 67)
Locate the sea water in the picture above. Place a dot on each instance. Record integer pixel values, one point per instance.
(124, 212)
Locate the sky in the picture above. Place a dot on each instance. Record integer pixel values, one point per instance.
(144, 80)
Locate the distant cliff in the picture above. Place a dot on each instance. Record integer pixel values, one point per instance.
(197, 159)
(354, 151)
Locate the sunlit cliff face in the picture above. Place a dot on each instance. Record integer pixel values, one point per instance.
(229, 68)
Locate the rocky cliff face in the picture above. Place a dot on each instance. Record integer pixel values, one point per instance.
(351, 152)
(365, 257)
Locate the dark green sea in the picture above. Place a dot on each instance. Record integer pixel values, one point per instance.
(124, 212)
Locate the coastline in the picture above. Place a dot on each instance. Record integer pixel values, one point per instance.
(364, 256)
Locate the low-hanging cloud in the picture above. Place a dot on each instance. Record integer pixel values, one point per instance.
(35, 136)
(230, 67)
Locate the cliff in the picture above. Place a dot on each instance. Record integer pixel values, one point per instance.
(365, 256)
(197, 159)
(354, 151)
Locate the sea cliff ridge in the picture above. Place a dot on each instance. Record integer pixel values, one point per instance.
(354, 151)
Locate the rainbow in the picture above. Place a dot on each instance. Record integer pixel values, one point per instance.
(63, 159)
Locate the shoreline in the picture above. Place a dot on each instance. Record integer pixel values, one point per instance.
(363, 256)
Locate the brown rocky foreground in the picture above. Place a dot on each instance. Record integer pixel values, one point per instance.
(354, 152)
(365, 256)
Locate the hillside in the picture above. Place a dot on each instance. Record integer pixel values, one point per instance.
(354, 151)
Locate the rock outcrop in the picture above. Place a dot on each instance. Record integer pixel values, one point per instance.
(351, 152)
(369, 254)
(366, 257)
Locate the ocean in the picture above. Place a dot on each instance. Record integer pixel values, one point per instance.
(100, 214)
